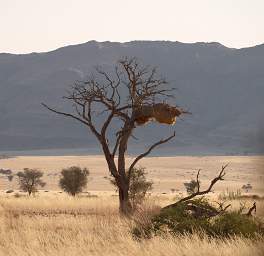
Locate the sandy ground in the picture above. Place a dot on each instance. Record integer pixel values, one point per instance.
(166, 172)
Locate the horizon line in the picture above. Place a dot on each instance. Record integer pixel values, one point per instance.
(131, 41)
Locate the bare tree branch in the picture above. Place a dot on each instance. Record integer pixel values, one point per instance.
(198, 192)
(253, 208)
(74, 117)
(63, 113)
(222, 209)
(148, 152)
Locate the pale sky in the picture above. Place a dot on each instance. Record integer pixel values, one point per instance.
(44, 25)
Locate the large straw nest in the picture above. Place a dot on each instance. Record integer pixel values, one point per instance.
(160, 112)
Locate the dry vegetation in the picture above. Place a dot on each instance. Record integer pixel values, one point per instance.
(60, 225)
(52, 223)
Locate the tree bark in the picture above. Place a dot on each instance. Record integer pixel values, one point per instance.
(125, 206)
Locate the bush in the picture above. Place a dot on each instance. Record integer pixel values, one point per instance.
(234, 223)
(138, 187)
(191, 186)
(5, 172)
(181, 220)
(73, 180)
(29, 180)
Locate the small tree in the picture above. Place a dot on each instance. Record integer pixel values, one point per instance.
(30, 179)
(73, 180)
(138, 186)
(191, 186)
(247, 187)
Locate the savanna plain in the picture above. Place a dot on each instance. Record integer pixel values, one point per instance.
(53, 223)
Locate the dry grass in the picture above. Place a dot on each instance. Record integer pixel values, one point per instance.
(60, 225)
(52, 223)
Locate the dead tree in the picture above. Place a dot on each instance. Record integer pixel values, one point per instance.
(144, 89)
(198, 210)
(203, 192)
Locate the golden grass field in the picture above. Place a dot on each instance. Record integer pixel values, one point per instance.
(52, 223)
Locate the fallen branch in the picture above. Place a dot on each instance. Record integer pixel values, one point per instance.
(198, 192)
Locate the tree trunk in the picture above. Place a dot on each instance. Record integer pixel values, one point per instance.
(119, 172)
(123, 182)
(124, 202)
(125, 206)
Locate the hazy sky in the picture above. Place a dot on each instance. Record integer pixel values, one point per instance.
(43, 25)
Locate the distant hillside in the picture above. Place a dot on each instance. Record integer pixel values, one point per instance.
(222, 87)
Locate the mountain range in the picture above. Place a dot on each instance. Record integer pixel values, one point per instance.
(222, 87)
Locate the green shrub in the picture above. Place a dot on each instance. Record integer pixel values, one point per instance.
(234, 223)
(29, 180)
(138, 186)
(73, 180)
(181, 220)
